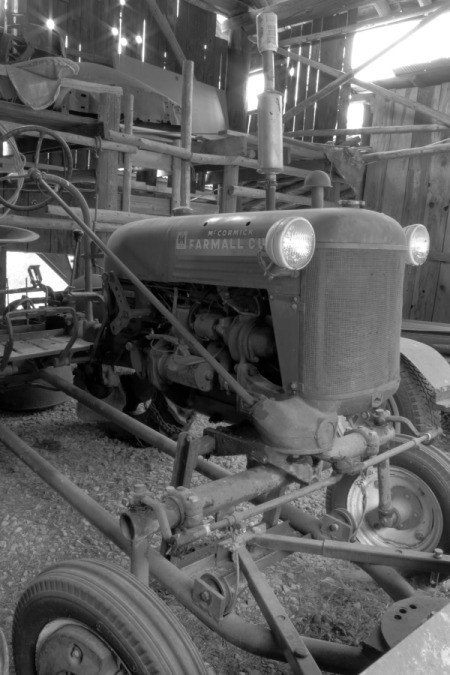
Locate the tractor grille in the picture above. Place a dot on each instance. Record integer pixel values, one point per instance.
(352, 324)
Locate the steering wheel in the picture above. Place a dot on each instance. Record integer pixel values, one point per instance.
(42, 134)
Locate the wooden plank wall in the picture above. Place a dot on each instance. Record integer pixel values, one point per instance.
(416, 190)
(298, 81)
(88, 24)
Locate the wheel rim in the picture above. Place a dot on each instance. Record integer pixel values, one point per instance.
(420, 518)
(70, 648)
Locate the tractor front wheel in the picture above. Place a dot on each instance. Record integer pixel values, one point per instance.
(420, 487)
(93, 617)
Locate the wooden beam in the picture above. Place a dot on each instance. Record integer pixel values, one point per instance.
(128, 106)
(430, 113)
(166, 30)
(382, 7)
(100, 215)
(345, 77)
(398, 129)
(255, 193)
(352, 28)
(434, 149)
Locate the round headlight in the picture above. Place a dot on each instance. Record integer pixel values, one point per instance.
(290, 242)
(418, 243)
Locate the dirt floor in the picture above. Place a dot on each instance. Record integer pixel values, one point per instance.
(325, 599)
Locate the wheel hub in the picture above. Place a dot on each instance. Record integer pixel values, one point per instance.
(72, 649)
(418, 523)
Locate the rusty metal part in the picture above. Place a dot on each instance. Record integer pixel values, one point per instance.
(387, 514)
(389, 579)
(357, 553)
(148, 295)
(414, 442)
(303, 522)
(70, 647)
(292, 644)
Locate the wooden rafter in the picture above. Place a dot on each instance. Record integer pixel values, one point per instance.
(359, 26)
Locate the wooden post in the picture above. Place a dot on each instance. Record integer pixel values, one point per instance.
(228, 199)
(186, 130)
(128, 109)
(167, 31)
(176, 182)
(3, 275)
(108, 160)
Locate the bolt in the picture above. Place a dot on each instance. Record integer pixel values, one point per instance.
(438, 553)
(139, 489)
(205, 596)
(334, 527)
(419, 536)
(76, 654)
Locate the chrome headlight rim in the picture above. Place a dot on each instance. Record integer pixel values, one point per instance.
(279, 233)
(417, 244)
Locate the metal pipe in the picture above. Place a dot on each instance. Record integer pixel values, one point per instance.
(388, 515)
(88, 507)
(167, 314)
(413, 443)
(299, 520)
(357, 553)
(389, 580)
(253, 638)
(131, 425)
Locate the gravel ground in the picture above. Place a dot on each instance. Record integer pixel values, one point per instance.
(325, 599)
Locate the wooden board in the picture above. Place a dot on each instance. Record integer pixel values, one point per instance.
(416, 190)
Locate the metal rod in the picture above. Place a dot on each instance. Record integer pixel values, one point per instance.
(387, 514)
(239, 516)
(254, 638)
(295, 651)
(414, 442)
(357, 553)
(167, 314)
(88, 507)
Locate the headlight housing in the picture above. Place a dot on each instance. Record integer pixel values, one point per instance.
(418, 244)
(290, 242)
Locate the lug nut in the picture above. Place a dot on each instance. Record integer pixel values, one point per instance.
(76, 654)
(205, 596)
(438, 553)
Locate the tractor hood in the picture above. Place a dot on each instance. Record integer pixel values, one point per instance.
(223, 249)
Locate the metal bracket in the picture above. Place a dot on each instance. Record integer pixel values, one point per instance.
(209, 599)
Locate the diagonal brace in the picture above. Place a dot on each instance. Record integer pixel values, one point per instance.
(290, 641)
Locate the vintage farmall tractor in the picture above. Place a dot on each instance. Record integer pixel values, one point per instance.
(283, 328)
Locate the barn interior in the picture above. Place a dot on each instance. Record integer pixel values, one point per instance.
(129, 118)
(144, 145)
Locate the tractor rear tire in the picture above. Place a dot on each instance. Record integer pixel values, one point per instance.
(414, 399)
